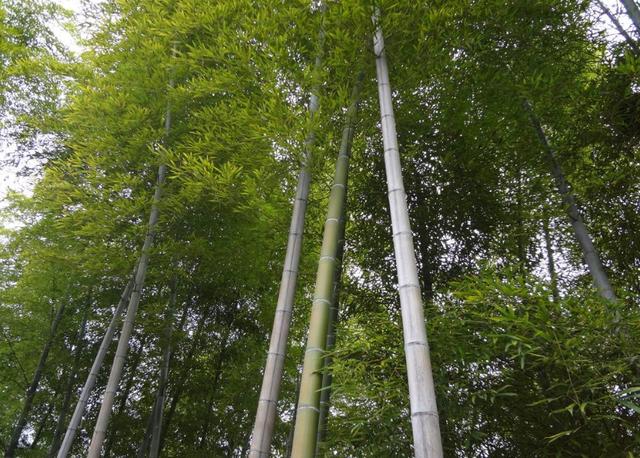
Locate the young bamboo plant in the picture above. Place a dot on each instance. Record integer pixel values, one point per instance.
(422, 398)
(307, 417)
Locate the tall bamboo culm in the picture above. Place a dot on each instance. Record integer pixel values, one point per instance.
(100, 431)
(633, 12)
(591, 256)
(76, 418)
(327, 375)
(262, 433)
(14, 440)
(308, 410)
(422, 398)
(158, 411)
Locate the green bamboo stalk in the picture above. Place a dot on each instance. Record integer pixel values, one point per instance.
(327, 375)
(427, 442)
(306, 426)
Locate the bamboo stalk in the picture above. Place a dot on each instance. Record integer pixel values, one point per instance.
(424, 413)
(74, 423)
(102, 422)
(551, 265)
(633, 12)
(33, 387)
(73, 375)
(270, 390)
(327, 375)
(591, 256)
(164, 376)
(630, 41)
(306, 427)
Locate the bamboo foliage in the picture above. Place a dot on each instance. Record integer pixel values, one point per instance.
(308, 409)
(422, 398)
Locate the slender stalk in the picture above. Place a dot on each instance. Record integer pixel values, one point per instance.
(424, 412)
(217, 374)
(66, 402)
(44, 422)
(267, 405)
(76, 418)
(10, 452)
(144, 445)
(614, 20)
(164, 376)
(633, 12)
(181, 381)
(551, 264)
(102, 422)
(306, 426)
(591, 256)
(128, 386)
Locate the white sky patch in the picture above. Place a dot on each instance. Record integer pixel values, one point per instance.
(67, 39)
(10, 179)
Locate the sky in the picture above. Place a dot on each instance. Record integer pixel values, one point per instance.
(9, 178)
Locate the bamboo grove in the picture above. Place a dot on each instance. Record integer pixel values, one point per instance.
(305, 228)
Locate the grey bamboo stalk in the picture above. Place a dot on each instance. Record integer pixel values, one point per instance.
(327, 375)
(33, 387)
(102, 422)
(591, 256)
(164, 376)
(306, 426)
(422, 398)
(614, 20)
(633, 12)
(76, 418)
(551, 264)
(268, 402)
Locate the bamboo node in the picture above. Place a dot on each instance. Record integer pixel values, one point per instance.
(330, 258)
(308, 406)
(408, 285)
(416, 342)
(429, 413)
